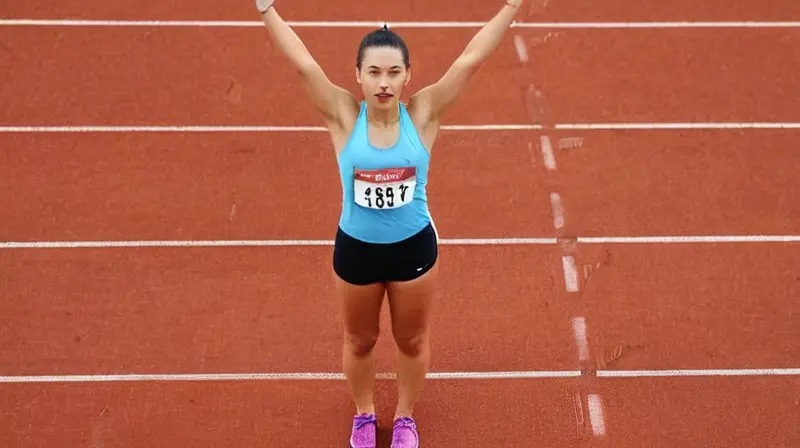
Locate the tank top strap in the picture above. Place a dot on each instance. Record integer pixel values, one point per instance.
(408, 127)
(361, 121)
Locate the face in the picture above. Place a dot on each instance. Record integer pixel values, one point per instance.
(383, 76)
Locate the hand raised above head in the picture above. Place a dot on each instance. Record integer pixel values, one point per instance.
(264, 5)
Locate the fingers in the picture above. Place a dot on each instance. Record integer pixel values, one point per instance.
(264, 5)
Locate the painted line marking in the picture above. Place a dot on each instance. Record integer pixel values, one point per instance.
(522, 49)
(444, 241)
(558, 210)
(547, 152)
(330, 376)
(98, 129)
(570, 143)
(697, 372)
(250, 243)
(596, 415)
(579, 331)
(463, 127)
(675, 126)
(318, 376)
(82, 129)
(401, 24)
(570, 273)
(690, 239)
(541, 40)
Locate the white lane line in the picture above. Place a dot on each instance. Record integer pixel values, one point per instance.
(445, 241)
(547, 152)
(454, 127)
(82, 129)
(697, 373)
(558, 210)
(522, 48)
(251, 243)
(401, 24)
(690, 239)
(596, 415)
(675, 126)
(570, 273)
(187, 129)
(311, 376)
(331, 376)
(581, 341)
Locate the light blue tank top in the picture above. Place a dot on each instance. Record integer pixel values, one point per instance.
(383, 225)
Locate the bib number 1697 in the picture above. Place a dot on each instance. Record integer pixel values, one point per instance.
(384, 189)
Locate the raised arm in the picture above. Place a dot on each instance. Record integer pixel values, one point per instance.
(432, 101)
(329, 99)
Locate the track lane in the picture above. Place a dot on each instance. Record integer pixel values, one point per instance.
(694, 306)
(468, 10)
(247, 186)
(221, 414)
(233, 77)
(679, 183)
(708, 412)
(233, 310)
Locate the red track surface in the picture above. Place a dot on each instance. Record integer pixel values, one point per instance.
(288, 413)
(693, 307)
(709, 412)
(234, 310)
(501, 308)
(236, 186)
(412, 10)
(227, 76)
(726, 182)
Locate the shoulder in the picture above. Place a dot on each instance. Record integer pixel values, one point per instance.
(422, 115)
(341, 126)
(347, 110)
(420, 107)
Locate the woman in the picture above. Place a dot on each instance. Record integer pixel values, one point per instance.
(386, 242)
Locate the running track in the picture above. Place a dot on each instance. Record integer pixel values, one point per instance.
(602, 328)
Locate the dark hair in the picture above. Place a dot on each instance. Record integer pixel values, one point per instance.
(382, 37)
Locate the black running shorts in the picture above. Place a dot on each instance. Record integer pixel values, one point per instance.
(361, 263)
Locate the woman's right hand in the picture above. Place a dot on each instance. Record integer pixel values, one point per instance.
(264, 5)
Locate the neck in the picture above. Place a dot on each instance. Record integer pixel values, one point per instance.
(384, 117)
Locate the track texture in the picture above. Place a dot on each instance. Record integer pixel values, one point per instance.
(561, 312)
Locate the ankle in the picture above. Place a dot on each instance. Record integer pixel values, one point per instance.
(401, 413)
(366, 409)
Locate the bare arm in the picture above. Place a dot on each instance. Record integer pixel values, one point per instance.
(327, 97)
(435, 99)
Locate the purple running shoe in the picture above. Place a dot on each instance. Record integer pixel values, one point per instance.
(404, 433)
(364, 430)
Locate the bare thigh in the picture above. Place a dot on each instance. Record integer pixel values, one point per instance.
(361, 309)
(410, 305)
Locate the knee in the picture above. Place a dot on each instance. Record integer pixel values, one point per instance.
(360, 345)
(412, 344)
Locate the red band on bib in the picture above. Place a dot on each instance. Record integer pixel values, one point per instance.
(385, 175)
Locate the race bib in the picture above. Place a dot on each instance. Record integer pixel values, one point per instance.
(384, 189)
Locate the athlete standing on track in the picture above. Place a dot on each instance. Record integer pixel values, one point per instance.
(386, 242)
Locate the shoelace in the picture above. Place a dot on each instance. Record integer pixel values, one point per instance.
(404, 421)
(363, 420)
